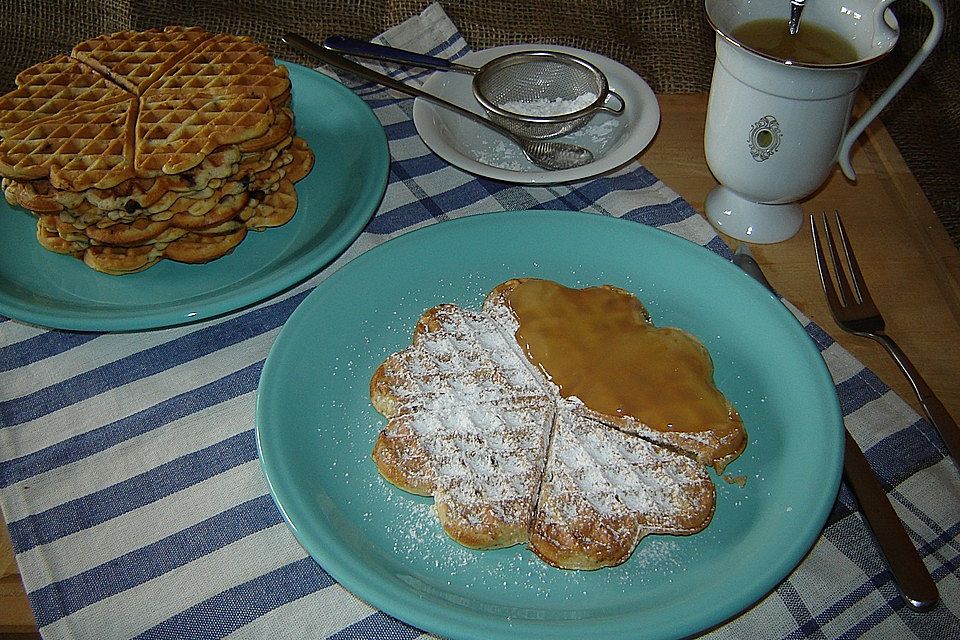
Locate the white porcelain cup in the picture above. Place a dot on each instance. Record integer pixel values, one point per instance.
(775, 128)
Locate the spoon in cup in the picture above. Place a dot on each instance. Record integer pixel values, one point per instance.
(796, 8)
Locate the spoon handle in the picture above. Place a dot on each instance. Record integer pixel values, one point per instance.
(362, 49)
(336, 60)
(796, 8)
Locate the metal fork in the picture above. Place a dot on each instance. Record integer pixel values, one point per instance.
(854, 311)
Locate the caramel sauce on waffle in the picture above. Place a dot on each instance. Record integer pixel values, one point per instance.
(598, 345)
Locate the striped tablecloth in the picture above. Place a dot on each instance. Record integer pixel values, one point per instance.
(136, 505)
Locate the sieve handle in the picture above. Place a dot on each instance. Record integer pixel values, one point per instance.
(621, 105)
(362, 49)
(335, 59)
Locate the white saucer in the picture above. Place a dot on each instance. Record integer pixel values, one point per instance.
(614, 140)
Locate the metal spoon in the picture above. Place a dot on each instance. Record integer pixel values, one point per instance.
(363, 49)
(547, 154)
(796, 8)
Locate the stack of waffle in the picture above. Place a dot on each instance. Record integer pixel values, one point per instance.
(139, 146)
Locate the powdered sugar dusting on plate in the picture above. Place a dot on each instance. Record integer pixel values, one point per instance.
(598, 135)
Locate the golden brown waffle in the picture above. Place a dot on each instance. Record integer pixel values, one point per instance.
(132, 195)
(149, 144)
(57, 86)
(35, 195)
(203, 246)
(127, 235)
(197, 209)
(135, 60)
(226, 209)
(78, 150)
(258, 161)
(280, 130)
(274, 209)
(9, 192)
(51, 240)
(508, 459)
(301, 163)
(224, 63)
(53, 224)
(176, 131)
(117, 261)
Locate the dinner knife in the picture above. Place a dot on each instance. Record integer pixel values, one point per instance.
(911, 576)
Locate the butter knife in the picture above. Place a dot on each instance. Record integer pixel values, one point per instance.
(911, 576)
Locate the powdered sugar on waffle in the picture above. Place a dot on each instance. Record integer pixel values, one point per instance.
(475, 406)
(617, 473)
(504, 449)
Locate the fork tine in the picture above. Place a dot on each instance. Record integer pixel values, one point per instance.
(845, 293)
(828, 289)
(859, 284)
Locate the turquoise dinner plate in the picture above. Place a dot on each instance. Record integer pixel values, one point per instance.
(316, 428)
(336, 201)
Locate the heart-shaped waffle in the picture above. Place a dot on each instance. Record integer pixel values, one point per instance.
(225, 62)
(57, 86)
(77, 150)
(509, 459)
(176, 130)
(135, 60)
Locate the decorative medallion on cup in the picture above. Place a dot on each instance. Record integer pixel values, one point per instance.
(764, 138)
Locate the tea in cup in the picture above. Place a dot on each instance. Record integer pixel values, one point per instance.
(780, 104)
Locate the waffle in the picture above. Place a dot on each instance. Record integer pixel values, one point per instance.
(226, 62)
(143, 145)
(50, 238)
(118, 261)
(197, 247)
(712, 443)
(223, 210)
(273, 209)
(131, 195)
(77, 150)
(604, 490)
(176, 131)
(508, 459)
(135, 60)
(58, 86)
(469, 425)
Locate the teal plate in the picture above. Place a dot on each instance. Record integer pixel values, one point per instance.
(316, 428)
(336, 201)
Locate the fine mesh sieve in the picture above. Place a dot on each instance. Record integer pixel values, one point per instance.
(533, 94)
(542, 94)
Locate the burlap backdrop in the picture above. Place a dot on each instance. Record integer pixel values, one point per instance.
(668, 42)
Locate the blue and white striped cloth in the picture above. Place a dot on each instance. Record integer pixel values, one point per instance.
(130, 483)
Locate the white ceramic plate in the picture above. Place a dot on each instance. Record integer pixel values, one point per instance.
(614, 140)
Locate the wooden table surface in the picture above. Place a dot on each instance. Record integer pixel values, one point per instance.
(907, 258)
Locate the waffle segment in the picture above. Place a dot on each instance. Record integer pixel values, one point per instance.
(135, 60)
(605, 490)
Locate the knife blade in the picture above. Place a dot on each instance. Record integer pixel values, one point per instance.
(745, 260)
(910, 575)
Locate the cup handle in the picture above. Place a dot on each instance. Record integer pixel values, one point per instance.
(936, 30)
